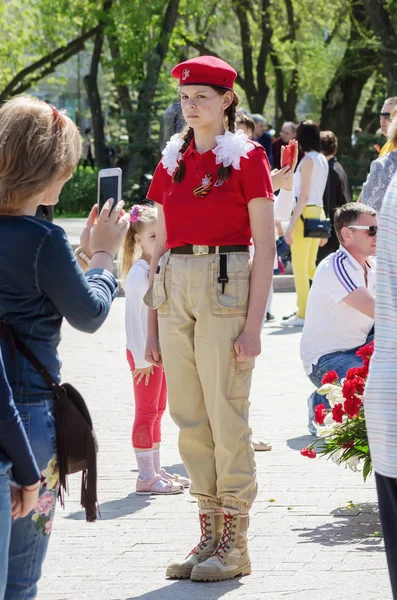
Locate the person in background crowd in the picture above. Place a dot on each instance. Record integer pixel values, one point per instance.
(380, 399)
(261, 136)
(15, 454)
(39, 150)
(382, 171)
(340, 308)
(309, 184)
(356, 134)
(150, 389)
(336, 192)
(87, 153)
(171, 122)
(204, 327)
(287, 133)
(388, 107)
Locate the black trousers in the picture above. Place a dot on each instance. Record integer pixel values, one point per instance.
(387, 497)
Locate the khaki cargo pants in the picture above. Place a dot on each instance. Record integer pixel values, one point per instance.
(208, 390)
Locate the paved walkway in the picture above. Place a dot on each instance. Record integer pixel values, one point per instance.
(314, 531)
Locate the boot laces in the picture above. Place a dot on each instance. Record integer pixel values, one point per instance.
(226, 539)
(205, 535)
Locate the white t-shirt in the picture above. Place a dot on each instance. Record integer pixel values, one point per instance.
(318, 179)
(136, 311)
(331, 325)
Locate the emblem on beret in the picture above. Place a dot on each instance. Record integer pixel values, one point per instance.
(185, 74)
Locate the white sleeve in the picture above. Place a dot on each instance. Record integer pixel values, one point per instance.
(283, 205)
(136, 286)
(337, 279)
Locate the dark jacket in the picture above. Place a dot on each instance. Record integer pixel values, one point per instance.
(40, 283)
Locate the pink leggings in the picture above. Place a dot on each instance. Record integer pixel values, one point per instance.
(150, 403)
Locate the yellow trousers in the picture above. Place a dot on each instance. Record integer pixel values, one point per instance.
(304, 254)
(208, 390)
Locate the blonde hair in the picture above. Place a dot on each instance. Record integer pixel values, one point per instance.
(392, 130)
(38, 145)
(143, 214)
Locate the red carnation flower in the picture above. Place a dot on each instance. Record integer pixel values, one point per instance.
(360, 384)
(349, 389)
(366, 351)
(308, 452)
(320, 413)
(330, 377)
(352, 406)
(353, 372)
(337, 413)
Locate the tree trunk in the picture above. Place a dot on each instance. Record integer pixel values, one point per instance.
(369, 121)
(142, 159)
(359, 61)
(123, 91)
(381, 23)
(94, 98)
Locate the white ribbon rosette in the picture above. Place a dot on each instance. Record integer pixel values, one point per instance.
(231, 148)
(172, 153)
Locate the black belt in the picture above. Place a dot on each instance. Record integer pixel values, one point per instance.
(199, 250)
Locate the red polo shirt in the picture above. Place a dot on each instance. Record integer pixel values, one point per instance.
(220, 217)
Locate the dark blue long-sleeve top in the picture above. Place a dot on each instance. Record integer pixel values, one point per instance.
(14, 443)
(40, 283)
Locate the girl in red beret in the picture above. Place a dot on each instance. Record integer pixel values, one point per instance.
(214, 192)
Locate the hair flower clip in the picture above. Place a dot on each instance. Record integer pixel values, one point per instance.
(172, 154)
(136, 212)
(231, 148)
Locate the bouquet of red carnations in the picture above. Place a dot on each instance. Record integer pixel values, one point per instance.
(342, 431)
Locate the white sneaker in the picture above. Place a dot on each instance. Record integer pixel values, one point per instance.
(293, 322)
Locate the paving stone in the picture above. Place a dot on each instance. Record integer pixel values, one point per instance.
(305, 544)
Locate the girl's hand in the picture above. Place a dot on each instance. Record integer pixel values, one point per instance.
(139, 374)
(152, 354)
(247, 346)
(280, 177)
(288, 236)
(16, 501)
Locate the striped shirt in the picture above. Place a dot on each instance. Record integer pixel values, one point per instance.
(381, 390)
(331, 325)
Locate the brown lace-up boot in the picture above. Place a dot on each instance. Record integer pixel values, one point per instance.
(231, 558)
(211, 530)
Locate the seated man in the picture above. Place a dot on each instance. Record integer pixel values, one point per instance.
(340, 309)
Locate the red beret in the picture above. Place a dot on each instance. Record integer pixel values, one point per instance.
(207, 70)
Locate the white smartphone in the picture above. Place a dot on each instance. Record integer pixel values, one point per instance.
(109, 186)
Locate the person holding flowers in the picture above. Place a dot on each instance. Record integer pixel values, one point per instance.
(340, 311)
(214, 193)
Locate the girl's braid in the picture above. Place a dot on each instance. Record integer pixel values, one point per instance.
(181, 169)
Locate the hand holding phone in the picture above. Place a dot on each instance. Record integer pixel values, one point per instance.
(288, 156)
(109, 186)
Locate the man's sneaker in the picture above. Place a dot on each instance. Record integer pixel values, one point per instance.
(231, 558)
(211, 531)
(269, 317)
(293, 322)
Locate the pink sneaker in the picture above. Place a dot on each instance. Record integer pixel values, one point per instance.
(183, 481)
(157, 486)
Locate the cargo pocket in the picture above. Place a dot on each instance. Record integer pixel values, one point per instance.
(239, 377)
(233, 300)
(156, 297)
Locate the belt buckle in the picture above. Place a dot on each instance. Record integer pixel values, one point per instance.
(200, 250)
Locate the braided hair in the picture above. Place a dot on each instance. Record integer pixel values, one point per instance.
(188, 134)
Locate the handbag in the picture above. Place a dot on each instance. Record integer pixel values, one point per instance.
(319, 228)
(76, 443)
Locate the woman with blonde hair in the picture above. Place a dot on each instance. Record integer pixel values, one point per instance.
(41, 282)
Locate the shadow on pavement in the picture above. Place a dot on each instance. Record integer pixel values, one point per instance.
(278, 330)
(114, 509)
(349, 524)
(300, 442)
(185, 589)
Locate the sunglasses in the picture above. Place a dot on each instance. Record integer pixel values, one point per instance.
(385, 115)
(372, 229)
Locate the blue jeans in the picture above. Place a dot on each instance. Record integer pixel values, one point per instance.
(5, 520)
(30, 535)
(340, 362)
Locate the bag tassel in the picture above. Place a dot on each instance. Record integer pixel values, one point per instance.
(62, 458)
(89, 499)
